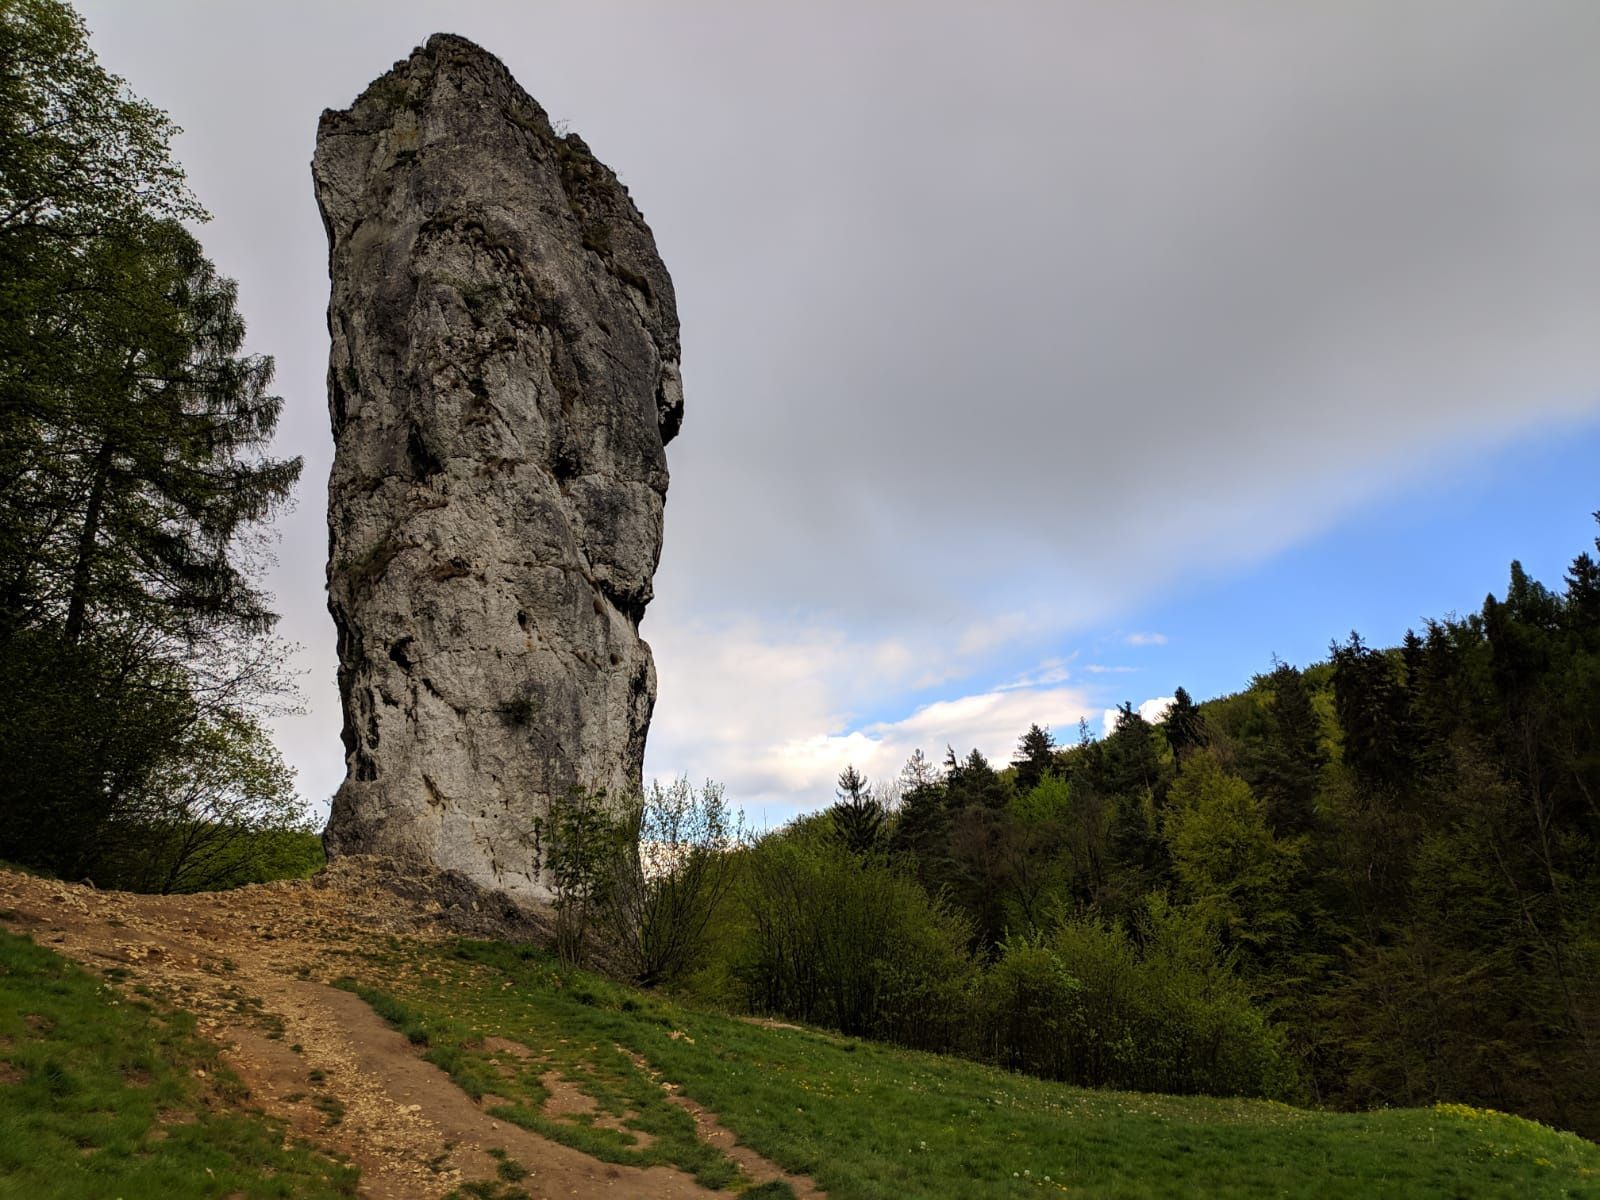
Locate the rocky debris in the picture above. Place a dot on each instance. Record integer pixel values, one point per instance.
(449, 901)
(503, 381)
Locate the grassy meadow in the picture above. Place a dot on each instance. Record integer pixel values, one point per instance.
(866, 1120)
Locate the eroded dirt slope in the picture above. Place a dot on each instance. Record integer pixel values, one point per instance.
(254, 966)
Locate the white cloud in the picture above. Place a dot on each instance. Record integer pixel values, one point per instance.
(1050, 671)
(772, 713)
(1152, 710)
(1146, 639)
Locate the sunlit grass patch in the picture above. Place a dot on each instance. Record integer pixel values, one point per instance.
(101, 1095)
(866, 1120)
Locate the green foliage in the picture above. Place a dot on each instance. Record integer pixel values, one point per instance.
(100, 1096)
(858, 817)
(1376, 878)
(850, 943)
(1160, 1012)
(672, 869)
(1228, 865)
(1184, 726)
(133, 467)
(221, 812)
(576, 842)
(1036, 757)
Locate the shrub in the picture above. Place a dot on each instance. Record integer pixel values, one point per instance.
(576, 842)
(673, 863)
(1031, 1009)
(1158, 1009)
(853, 944)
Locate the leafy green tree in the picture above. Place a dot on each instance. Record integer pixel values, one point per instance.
(1226, 860)
(674, 863)
(208, 814)
(83, 732)
(1038, 855)
(576, 844)
(852, 944)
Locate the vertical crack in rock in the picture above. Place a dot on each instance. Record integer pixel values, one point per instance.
(502, 384)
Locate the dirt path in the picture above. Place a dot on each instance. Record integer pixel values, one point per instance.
(247, 962)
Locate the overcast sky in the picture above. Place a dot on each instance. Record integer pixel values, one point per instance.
(1004, 325)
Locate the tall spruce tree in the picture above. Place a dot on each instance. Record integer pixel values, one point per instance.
(1184, 726)
(858, 818)
(1036, 758)
(133, 454)
(1292, 757)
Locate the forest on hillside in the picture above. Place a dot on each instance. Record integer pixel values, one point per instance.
(1372, 881)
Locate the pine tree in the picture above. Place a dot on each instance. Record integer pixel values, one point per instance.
(1292, 757)
(858, 818)
(973, 783)
(133, 456)
(1036, 758)
(1184, 726)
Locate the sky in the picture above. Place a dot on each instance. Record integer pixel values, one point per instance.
(1037, 356)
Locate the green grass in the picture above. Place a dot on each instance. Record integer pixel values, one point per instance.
(102, 1097)
(867, 1120)
(626, 1103)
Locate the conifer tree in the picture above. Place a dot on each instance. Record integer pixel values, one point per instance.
(858, 818)
(133, 458)
(1036, 758)
(1292, 757)
(1184, 726)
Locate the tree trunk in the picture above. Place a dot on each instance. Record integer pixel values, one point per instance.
(79, 602)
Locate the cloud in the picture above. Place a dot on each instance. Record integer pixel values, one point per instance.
(775, 713)
(1050, 671)
(1176, 311)
(1146, 639)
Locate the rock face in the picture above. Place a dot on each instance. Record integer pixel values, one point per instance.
(503, 381)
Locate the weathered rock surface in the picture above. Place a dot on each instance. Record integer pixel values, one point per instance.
(503, 380)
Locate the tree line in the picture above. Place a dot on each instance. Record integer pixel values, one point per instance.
(136, 661)
(1371, 881)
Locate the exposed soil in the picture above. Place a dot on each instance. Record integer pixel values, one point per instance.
(249, 964)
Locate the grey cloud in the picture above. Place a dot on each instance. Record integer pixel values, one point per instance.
(1076, 293)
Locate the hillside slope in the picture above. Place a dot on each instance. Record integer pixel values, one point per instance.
(443, 1067)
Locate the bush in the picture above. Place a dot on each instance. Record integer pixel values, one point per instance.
(221, 813)
(1159, 1010)
(576, 842)
(851, 943)
(1031, 1011)
(110, 770)
(673, 863)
